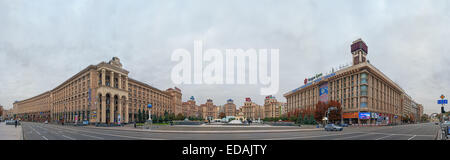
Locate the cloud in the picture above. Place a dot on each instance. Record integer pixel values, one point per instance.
(43, 43)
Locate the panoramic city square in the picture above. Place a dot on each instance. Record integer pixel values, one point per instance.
(203, 70)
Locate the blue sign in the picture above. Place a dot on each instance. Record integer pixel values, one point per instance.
(149, 105)
(444, 101)
(323, 90)
(364, 115)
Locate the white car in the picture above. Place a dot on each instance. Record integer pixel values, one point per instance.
(46, 122)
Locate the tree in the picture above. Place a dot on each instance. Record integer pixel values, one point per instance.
(139, 116)
(222, 115)
(335, 115)
(144, 117)
(311, 117)
(300, 119)
(320, 110)
(306, 119)
(179, 116)
(424, 118)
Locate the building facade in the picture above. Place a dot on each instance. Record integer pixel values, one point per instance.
(190, 109)
(272, 108)
(361, 89)
(229, 108)
(101, 93)
(251, 110)
(209, 110)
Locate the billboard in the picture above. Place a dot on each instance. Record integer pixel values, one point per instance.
(364, 115)
(323, 92)
(350, 115)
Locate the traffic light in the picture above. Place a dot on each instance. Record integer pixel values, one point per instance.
(442, 110)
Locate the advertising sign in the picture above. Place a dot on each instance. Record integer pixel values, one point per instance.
(364, 115)
(323, 92)
(350, 115)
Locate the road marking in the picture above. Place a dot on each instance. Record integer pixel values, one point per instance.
(36, 131)
(44, 137)
(285, 138)
(69, 137)
(352, 136)
(115, 135)
(384, 137)
(91, 136)
(412, 137)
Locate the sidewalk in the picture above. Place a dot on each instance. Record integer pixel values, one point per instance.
(9, 132)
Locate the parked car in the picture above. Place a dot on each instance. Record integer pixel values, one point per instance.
(46, 122)
(333, 127)
(343, 125)
(11, 122)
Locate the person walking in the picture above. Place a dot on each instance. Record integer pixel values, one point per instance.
(15, 123)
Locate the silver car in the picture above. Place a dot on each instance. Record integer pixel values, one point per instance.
(332, 127)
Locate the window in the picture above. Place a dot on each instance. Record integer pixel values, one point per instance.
(363, 90)
(364, 78)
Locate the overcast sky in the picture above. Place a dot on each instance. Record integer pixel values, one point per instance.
(44, 42)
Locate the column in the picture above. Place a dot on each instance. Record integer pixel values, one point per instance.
(120, 108)
(120, 81)
(97, 104)
(103, 77)
(126, 111)
(126, 83)
(111, 79)
(111, 109)
(103, 113)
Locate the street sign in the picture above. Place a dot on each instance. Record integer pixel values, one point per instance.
(443, 101)
(149, 105)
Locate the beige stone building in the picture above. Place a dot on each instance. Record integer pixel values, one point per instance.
(272, 108)
(101, 93)
(251, 110)
(360, 88)
(209, 110)
(229, 108)
(190, 109)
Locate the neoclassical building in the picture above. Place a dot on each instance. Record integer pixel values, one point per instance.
(361, 89)
(101, 93)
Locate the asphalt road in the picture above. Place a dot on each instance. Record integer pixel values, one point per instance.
(40, 131)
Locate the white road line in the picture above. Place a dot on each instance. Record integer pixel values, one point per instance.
(116, 135)
(353, 136)
(36, 131)
(91, 136)
(45, 137)
(69, 137)
(384, 137)
(412, 137)
(285, 138)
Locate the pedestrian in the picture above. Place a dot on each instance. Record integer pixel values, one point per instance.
(134, 124)
(15, 123)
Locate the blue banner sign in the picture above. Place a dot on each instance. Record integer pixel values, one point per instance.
(444, 101)
(149, 105)
(364, 115)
